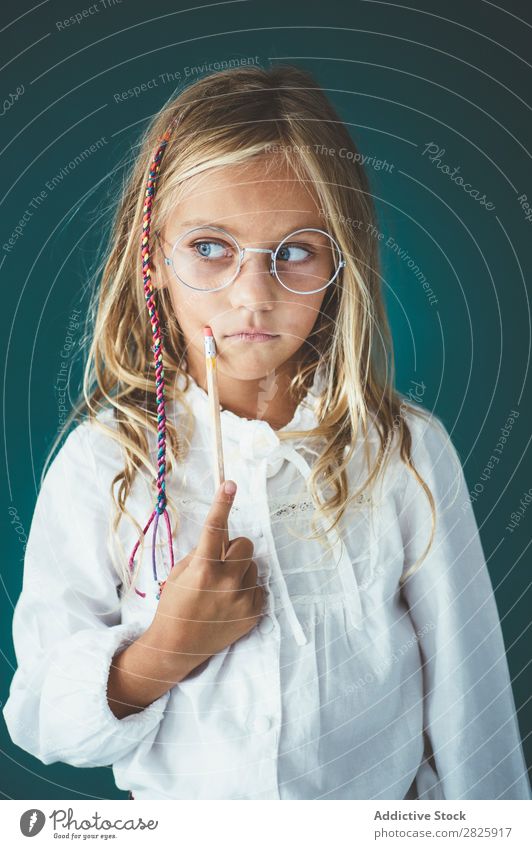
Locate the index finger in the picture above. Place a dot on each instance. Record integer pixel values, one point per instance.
(214, 530)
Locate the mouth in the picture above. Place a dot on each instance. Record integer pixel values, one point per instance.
(253, 336)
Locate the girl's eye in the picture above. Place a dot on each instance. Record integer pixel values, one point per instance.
(211, 250)
(293, 253)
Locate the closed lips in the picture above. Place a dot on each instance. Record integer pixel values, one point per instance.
(253, 331)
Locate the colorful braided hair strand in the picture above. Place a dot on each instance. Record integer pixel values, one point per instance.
(160, 508)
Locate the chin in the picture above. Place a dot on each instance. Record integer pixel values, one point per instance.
(240, 370)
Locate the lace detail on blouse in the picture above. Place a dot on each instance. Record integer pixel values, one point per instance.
(279, 508)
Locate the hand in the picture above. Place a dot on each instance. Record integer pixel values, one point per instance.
(208, 603)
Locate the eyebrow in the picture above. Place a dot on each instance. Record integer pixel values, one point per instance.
(198, 223)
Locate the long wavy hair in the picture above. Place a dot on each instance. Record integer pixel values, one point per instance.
(227, 118)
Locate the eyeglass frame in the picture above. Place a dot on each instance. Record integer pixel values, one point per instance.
(241, 252)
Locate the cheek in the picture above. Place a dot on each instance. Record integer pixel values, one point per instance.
(190, 310)
(301, 315)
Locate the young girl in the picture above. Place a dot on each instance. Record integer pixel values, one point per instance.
(348, 646)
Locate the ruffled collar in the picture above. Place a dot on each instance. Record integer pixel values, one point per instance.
(235, 427)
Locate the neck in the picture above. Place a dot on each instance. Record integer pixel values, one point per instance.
(267, 398)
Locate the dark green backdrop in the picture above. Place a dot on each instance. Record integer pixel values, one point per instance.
(450, 73)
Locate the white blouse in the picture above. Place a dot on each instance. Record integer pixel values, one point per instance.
(347, 688)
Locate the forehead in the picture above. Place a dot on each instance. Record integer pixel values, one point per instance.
(264, 191)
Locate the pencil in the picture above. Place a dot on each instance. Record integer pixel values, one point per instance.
(212, 391)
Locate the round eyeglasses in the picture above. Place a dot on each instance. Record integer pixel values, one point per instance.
(208, 259)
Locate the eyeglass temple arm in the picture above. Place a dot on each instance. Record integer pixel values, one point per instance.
(167, 261)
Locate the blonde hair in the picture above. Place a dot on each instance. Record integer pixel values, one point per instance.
(227, 118)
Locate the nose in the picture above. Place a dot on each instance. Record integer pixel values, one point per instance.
(255, 285)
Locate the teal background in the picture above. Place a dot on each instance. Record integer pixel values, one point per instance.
(452, 73)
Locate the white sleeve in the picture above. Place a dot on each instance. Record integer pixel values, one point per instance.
(67, 625)
(469, 709)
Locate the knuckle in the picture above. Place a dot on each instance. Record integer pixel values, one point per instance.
(213, 525)
(205, 559)
(226, 583)
(203, 574)
(244, 598)
(246, 545)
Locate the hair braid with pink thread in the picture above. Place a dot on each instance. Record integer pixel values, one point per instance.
(160, 508)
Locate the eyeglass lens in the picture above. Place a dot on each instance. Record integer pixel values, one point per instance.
(206, 259)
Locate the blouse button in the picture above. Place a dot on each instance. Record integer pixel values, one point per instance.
(259, 723)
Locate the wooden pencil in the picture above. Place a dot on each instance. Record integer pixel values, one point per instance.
(214, 403)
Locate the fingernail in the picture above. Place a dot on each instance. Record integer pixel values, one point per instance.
(229, 487)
